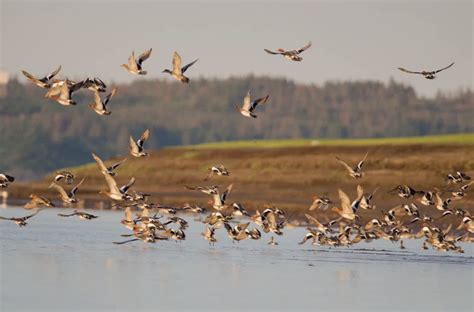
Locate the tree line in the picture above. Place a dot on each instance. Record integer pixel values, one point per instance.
(37, 135)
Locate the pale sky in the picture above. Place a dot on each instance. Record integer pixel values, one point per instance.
(351, 39)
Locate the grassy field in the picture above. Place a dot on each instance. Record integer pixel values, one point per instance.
(284, 173)
(449, 139)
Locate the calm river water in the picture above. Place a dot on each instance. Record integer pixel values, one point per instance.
(68, 264)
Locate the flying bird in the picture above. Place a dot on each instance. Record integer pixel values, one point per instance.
(178, 71)
(217, 170)
(292, 55)
(5, 179)
(67, 176)
(426, 74)
(134, 66)
(116, 193)
(62, 92)
(21, 221)
(99, 105)
(95, 84)
(249, 106)
(36, 200)
(67, 198)
(356, 171)
(104, 169)
(136, 148)
(82, 215)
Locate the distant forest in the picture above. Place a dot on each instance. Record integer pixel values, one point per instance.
(38, 135)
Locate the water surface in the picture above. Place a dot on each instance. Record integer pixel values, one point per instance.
(68, 264)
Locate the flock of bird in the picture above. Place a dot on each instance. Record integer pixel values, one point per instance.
(149, 224)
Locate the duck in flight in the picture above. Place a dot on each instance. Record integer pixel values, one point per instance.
(104, 169)
(82, 215)
(36, 200)
(427, 74)
(292, 55)
(356, 171)
(219, 170)
(249, 106)
(67, 198)
(116, 193)
(178, 71)
(136, 148)
(5, 179)
(67, 176)
(99, 105)
(134, 65)
(61, 92)
(21, 221)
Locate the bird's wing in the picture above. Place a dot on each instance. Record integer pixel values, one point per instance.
(437, 71)
(100, 163)
(184, 68)
(53, 73)
(408, 71)
(226, 192)
(144, 56)
(361, 163)
(76, 86)
(344, 164)
(465, 187)
(143, 138)
(247, 103)
(345, 201)
(306, 47)
(128, 214)
(133, 147)
(132, 62)
(125, 188)
(99, 82)
(256, 102)
(32, 215)
(271, 52)
(111, 94)
(29, 76)
(360, 192)
(74, 190)
(314, 220)
(177, 63)
(114, 166)
(60, 189)
(112, 184)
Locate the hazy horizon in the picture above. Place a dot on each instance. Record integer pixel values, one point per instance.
(351, 40)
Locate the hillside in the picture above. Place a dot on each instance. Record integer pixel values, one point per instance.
(37, 135)
(285, 176)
